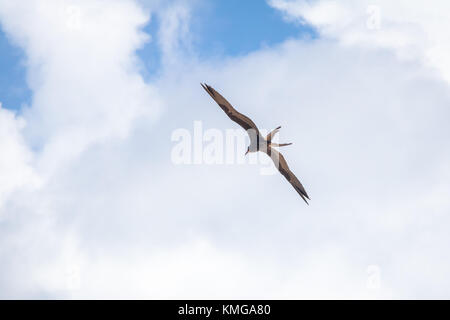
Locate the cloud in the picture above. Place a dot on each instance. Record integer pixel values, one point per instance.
(82, 70)
(174, 32)
(16, 161)
(114, 218)
(411, 29)
(87, 89)
(365, 126)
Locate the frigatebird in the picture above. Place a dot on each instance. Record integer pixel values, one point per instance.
(257, 141)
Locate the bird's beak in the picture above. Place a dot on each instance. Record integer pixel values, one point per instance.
(246, 152)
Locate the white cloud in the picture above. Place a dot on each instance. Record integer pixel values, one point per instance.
(82, 70)
(87, 90)
(412, 29)
(174, 34)
(16, 159)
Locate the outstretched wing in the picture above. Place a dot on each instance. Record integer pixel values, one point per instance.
(283, 167)
(244, 121)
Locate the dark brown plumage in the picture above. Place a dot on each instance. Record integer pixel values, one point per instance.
(241, 119)
(258, 142)
(287, 173)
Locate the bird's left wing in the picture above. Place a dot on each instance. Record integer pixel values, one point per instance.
(283, 167)
(244, 121)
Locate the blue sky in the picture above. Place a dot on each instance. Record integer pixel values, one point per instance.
(224, 29)
(220, 30)
(13, 88)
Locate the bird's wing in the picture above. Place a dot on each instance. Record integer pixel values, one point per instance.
(244, 121)
(283, 167)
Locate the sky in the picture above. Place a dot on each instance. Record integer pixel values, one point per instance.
(13, 78)
(94, 93)
(220, 30)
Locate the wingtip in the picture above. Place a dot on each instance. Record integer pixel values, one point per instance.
(306, 201)
(304, 196)
(208, 89)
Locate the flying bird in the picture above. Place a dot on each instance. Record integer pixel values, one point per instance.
(258, 142)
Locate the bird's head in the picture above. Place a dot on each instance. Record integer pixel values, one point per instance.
(248, 150)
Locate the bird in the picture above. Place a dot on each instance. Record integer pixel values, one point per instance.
(258, 142)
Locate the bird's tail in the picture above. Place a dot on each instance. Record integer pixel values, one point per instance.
(279, 144)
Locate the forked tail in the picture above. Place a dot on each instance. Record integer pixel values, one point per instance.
(272, 144)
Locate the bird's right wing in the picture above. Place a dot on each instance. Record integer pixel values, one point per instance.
(283, 167)
(244, 121)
